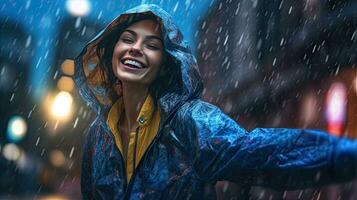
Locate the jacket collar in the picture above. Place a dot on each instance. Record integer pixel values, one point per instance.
(144, 118)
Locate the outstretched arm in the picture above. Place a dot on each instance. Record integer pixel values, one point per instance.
(278, 158)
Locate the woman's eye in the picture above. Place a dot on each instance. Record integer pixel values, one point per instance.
(127, 40)
(152, 47)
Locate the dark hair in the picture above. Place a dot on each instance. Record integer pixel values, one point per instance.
(105, 50)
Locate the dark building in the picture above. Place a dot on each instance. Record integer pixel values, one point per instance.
(254, 54)
(15, 58)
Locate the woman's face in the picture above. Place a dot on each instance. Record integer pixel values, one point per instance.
(139, 53)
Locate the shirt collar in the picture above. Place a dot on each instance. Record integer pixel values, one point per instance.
(146, 111)
(144, 117)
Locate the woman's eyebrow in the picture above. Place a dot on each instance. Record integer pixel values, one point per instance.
(149, 37)
(146, 37)
(130, 31)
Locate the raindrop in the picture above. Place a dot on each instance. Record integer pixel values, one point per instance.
(38, 62)
(353, 35)
(28, 41)
(225, 40)
(43, 152)
(203, 25)
(66, 35)
(261, 194)
(284, 194)
(218, 40)
(2, 71)
(78, 22)
(84, 114)
(282, 41)
(301, 192)
(176, 6)
(313, 50)
(55, 75)
(281, 4)
(255, 3)
(12, 97)
(100, 14)
(28, 3)
(241, 38)
(220, 6)
(39, 189)
(259, 44)
(326, 58)
(29, 115)
(37, 141)
(237, 10)
(57, 12)
(83, 30)
(56, 125)
(71, 153)
(46, 54)
(337, 70)
(75, 122)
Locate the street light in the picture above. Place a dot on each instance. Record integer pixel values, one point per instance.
(62, 104)
(336, 103)
(16, 129)
(78, 7)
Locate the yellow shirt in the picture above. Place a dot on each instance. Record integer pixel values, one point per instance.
(148, 120)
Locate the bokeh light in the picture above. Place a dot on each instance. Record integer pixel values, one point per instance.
(61, 106)
(11, 152)
(78, 7)
(336, 102)
(57, 158)
(16, 129)
(65, 83)
(54, 197)
(68, 67)
(309, 109)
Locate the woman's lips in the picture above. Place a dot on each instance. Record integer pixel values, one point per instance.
(131, 68)
(134, 63)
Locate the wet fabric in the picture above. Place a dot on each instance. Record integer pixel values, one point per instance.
(139, 140)
(197, 144)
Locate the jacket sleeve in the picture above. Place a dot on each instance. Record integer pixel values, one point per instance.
(86, 167)
(278, 158)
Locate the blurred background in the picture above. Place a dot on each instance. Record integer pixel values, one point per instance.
(278, 63)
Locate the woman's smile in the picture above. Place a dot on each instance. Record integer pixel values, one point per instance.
(132, 64)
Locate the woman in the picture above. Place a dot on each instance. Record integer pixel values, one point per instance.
(155, 138)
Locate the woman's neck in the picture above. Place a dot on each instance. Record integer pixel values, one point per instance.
(134, 96)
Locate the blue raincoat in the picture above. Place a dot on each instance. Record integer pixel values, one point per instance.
(197, 144)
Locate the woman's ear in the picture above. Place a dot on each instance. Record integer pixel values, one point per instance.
(117, 88)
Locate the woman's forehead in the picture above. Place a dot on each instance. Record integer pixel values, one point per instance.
(145, 27)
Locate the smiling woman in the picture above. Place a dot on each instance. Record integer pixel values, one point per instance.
(154, 138)
(138, 54)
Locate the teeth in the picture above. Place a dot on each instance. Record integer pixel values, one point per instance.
(134, 63)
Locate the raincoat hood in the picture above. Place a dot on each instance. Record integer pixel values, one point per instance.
(184, 81)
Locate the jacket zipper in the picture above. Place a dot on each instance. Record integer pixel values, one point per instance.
(135, 146)
(127, 195)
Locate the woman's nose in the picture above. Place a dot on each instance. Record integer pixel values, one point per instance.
(136, 50)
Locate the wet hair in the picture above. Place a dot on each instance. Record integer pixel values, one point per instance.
(105, 51)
